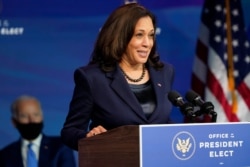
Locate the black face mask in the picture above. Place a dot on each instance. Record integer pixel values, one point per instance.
(29, 131)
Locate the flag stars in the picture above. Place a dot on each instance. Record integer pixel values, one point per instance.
(236, 73)
(235, 12)
(236, 58)
(217, 38)
(218, 23)
(247, 44)
(235, 28)
(225, 41)
(218, 8)
(235, 43)
(247, 59)
(225, 56)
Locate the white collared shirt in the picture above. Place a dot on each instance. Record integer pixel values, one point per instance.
(35, 147)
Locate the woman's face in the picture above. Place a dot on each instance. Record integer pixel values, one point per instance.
(141, 43)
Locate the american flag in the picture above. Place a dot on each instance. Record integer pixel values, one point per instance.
(221, 70)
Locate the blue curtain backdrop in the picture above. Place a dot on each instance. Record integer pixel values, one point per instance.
(43, 41)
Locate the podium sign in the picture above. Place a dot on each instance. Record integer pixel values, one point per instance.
(189, 145)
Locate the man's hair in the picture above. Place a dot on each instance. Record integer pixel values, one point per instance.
(15, 103)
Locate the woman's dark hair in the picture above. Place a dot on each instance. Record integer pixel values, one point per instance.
(116, 33)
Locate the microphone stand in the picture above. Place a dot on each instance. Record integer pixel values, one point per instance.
(200, 112)
(214, 116)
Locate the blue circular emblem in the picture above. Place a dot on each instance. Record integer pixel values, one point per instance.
(183, 145)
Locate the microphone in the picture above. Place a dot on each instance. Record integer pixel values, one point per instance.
(206, 107)
(185, 107)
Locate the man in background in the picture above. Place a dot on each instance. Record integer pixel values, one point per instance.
(33, 146)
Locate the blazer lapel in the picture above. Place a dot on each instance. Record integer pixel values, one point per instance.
(44, 152)
(157, 80)
(16, 155)
(121, 87)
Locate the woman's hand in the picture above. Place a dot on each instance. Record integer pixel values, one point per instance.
(96, 130)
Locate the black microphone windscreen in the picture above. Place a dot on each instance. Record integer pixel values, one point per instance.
(177, 100)
(191, 95)
(173, 96)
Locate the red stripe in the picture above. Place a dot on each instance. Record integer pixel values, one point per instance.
(202, 51)
(216, 89)
(197, 85)
(245, 92)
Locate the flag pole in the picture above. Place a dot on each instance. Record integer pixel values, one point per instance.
(231, 80)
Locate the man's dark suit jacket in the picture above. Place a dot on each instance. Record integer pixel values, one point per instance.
(52, 154)
(107, 100)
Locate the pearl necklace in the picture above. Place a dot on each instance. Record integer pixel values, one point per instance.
(135, 80)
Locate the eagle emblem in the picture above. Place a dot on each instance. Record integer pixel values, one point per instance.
(183, 145)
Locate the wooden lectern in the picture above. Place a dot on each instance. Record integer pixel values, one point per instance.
(118, 147)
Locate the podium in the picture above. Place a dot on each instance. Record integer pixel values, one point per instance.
(182, 145)
(115, 148)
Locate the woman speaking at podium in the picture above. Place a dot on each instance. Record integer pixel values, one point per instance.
(125, 83)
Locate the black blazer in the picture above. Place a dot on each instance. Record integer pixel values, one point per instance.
(53, 153)
(106, 99)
